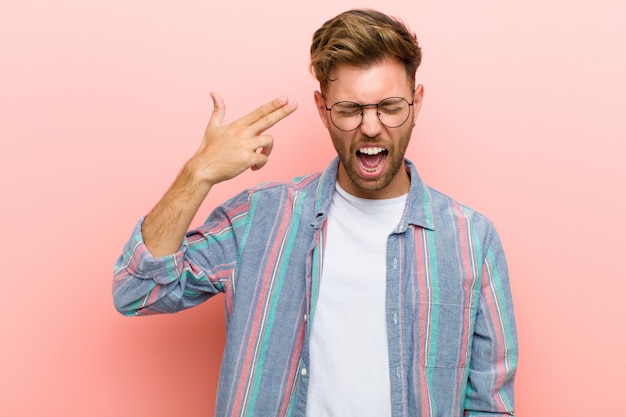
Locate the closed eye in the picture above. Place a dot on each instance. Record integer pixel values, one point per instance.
(347, 110)
(390, 109)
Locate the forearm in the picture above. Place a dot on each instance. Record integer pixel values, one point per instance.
(165, 226)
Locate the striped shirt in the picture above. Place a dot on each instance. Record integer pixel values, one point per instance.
(450, 324)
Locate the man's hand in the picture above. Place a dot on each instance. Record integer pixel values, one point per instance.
(226, 151)
(229, 149)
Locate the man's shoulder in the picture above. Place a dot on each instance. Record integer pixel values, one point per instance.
(299, 183)
(444, 204)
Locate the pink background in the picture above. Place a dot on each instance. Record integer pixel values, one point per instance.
(102, 102)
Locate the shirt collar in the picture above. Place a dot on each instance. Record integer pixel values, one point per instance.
(418, 211)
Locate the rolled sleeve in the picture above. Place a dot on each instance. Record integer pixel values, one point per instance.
(144, 285)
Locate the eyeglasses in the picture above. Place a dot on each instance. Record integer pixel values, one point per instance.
(347, 115)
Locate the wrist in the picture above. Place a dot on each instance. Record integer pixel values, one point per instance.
(195, 176)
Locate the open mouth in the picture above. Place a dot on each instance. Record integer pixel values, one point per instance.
(371, 158)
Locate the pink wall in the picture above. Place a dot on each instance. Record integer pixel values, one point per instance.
(101, 103)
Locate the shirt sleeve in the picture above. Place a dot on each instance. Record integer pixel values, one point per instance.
(494, 349)
(201, 268)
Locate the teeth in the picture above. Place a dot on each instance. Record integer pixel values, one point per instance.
(371, 151)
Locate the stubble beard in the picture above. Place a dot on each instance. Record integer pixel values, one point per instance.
(395, 159)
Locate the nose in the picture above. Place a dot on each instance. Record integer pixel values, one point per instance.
(371, 125)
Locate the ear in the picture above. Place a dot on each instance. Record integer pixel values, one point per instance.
(321, 107)
(417, 101)
(419, 96)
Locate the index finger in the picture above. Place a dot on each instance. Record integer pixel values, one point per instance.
(269, 113)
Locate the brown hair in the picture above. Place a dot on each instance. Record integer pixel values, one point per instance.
(362, 38)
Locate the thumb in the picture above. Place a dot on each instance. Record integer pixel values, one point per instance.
(219, 109)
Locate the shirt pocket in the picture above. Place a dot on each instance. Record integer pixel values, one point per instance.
(445, 322)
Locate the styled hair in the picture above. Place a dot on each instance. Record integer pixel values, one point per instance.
(362, 38)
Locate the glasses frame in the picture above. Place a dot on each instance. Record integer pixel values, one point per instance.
(364, 106)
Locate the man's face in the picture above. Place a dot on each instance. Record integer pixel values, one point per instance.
(372, 155)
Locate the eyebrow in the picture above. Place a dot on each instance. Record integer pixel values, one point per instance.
(391, 100)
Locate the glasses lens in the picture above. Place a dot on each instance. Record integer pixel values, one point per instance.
(346, 115)
(393, 112)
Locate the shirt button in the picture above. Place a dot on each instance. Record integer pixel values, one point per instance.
(305, 317)
(395, 318)
(303, 371)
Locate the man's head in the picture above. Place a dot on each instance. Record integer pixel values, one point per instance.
(365, 62)
(361, 38)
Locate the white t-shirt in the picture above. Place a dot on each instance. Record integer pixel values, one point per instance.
(349, 363)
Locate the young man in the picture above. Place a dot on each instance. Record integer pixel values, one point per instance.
(358, 291)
